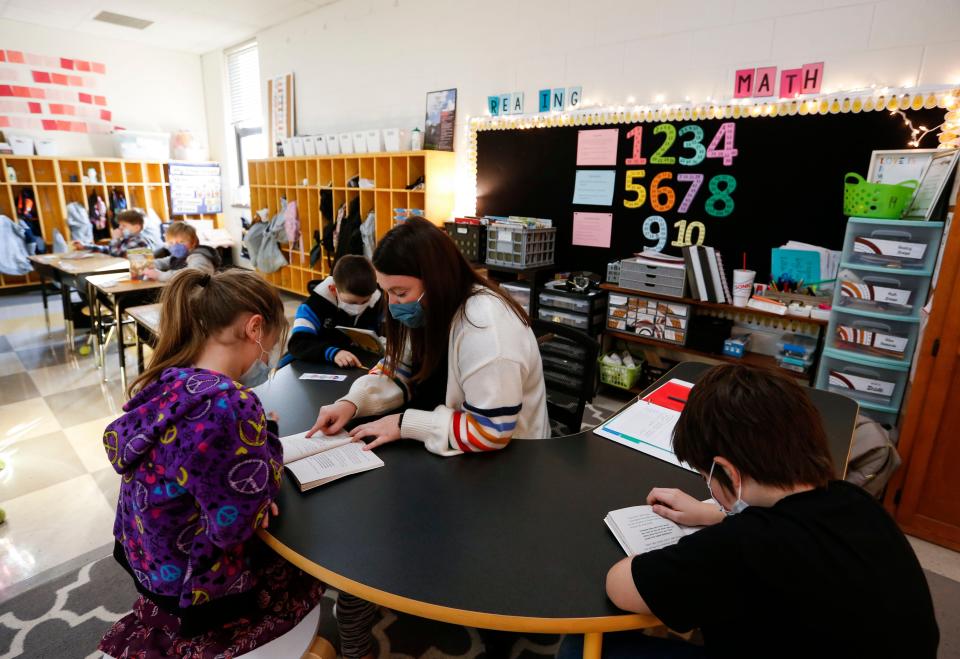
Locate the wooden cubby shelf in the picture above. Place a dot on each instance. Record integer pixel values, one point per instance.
(301, 178)
(57, 182)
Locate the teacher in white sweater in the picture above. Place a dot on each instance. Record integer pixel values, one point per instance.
(461, 359)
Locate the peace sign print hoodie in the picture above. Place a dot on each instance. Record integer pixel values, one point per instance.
(200, 465)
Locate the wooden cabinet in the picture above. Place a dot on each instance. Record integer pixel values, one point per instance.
(924, 495)
(58, 181)
(300, 179)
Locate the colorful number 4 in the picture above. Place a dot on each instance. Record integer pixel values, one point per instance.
(728, 152)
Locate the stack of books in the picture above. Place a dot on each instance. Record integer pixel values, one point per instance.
(706, 275)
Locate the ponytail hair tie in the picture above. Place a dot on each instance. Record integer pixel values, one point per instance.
(204, 280)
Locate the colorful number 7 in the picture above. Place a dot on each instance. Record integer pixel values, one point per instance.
(696, 180)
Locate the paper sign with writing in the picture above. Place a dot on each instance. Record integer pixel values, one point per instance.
(594, 187)
(592, 229)
(597, 147)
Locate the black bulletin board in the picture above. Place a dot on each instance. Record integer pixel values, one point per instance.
(789, 174)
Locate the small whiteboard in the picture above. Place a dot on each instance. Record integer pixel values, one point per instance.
(195, 188)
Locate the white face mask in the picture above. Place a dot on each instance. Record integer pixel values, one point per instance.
(353, 310)
(259, 371)
(739, 505)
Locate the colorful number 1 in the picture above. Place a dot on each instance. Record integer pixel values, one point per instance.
(637, 136)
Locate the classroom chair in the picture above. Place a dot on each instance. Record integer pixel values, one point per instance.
(569, 372)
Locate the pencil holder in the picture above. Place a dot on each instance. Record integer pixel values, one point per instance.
(877, 200)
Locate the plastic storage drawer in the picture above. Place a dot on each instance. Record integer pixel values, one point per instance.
(903, 244)
(874, 386)
(582, 303)
(873, 335)
(578, 321)
(655, 286)
(520, 292)
(882, 290)
(636, 270)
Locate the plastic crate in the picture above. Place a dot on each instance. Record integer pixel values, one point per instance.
(470, 239)
(618, 375)
(520, 247)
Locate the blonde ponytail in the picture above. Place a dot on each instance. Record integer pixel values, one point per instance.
(195, 305)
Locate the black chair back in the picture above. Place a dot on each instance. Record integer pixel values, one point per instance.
(569, 372)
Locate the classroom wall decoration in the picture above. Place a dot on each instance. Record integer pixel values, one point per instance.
(441, 118)
(741, 178)
(49, 93)
(195, 188)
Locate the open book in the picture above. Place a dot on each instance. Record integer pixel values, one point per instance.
(366, 339)
(638, 529)
(321, 459)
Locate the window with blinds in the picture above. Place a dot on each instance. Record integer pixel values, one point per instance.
(244, 113)
(243, 76)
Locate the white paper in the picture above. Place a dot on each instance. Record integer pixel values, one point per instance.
(299, 446)
(332, 464)
(638, 529)
(646, 427)
(324, 377)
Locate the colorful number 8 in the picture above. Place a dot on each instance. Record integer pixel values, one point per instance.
(721, 195)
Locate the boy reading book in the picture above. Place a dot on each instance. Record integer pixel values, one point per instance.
(348, 298)
(791, 562)
(128, 235)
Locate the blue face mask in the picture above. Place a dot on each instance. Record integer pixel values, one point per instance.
(409, 313)
(126, 233)
(259, 371)
(738, 507)
(178, 250)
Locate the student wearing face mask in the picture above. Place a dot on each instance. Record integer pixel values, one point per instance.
(461, 358)
(347, 298)
(201, 467)
(128, 235)
(461, 362)
(791, 562)
(184, 251)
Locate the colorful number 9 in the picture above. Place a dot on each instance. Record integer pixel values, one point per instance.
(660, 235)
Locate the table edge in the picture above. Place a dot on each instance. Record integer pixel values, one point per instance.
(483, 620)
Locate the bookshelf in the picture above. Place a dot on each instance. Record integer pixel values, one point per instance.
(810, 326)
(57, 182)
(300, 179)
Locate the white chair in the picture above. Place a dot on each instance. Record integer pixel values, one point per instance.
(292, 645)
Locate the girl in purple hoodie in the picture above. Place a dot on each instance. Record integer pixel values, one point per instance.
(201, 466)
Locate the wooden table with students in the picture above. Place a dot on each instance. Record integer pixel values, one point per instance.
(512, 540)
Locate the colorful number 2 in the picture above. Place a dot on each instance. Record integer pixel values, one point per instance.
(670, 135)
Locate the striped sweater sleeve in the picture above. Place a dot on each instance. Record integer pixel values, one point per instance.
(492, 387)
(308, 340)
(383, 389)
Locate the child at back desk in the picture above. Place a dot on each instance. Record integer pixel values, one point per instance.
(185, 251)
(348, 298)
(201, 467)
(127, 236)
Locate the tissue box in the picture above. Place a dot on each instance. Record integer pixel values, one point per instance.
(22, 146)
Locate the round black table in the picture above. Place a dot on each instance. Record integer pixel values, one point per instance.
(511, 540)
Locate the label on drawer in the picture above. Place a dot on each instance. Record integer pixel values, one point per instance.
(874, 293)
(617, 300)
(896, 248)
(888, 342)
(861, 384)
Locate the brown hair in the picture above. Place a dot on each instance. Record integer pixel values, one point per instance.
(354, 274)
(131, 216)
(761, 421)
(419, 249)
(196, 305)
(182, 230)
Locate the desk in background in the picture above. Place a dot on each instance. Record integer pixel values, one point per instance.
(71, 274)
(118, 292)
(146, 319)
(512, 540)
